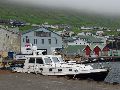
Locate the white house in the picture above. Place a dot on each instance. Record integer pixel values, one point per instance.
(99, 33)
(86, 28)
(78, 42)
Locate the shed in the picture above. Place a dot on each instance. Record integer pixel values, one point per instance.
(105, 50)
(87, 50)
(97, 50)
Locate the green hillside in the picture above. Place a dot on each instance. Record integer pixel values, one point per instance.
(55, 16)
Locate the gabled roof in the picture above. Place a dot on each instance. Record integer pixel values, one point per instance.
(100, 46)
(87, 47)
(91, 39)
(74, 49)
(30, 30)
(77, 49)
(36, 28)
(69, 39)
(106, 48)
(97, 48)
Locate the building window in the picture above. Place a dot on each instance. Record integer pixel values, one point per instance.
(42, 34)
(35, 41)
(27, 39)
(56, 41)
(49, 41)
(42, 41)
(26, 36)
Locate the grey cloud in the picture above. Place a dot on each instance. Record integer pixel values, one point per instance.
(98, 6)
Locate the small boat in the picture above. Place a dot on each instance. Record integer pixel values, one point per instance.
(55, 65)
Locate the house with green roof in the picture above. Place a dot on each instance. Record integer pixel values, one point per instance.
(90, 50)
(84, 40)
(74, 50)
(91, 40)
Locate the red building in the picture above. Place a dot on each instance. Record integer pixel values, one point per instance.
(105, 50)
(87, 50)
(97, 50)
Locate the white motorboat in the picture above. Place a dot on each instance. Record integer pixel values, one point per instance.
(55, 65)
(83, 71)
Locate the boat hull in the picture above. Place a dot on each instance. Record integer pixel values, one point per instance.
(97, 76)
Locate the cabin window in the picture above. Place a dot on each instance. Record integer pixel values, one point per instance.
(70, 69)
(49, 41)
(28, 48)
(39, 60)
(42, 41)
(60, 59)
(32, 60)
(55, 59)
(47, 60)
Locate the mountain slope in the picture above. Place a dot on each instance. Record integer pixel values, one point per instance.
(55, 16)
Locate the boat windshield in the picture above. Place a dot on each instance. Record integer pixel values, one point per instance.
(47, 60)
(60, 59)
(55, 60)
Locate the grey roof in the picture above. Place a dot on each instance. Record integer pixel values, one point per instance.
(91, 39)
(68, 39)
(36, 28)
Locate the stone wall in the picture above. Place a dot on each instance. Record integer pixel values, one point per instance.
(9, 40)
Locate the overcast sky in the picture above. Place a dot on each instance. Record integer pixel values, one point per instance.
(99, 6)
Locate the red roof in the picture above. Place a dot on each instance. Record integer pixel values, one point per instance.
(87, 48)
(96, 49)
